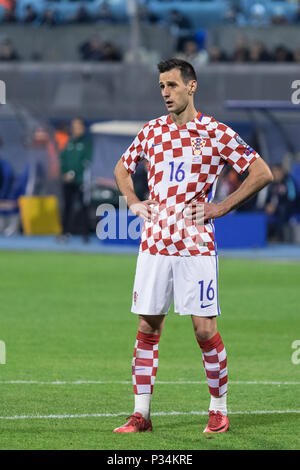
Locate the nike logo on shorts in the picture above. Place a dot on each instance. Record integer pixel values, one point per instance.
(205, 306)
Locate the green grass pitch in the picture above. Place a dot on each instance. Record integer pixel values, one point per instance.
(66, 317)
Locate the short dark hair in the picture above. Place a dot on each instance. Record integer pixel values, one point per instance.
(187, 70)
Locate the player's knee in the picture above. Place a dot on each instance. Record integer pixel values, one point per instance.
(204, 334)
(204, 328)
(151, 325)
(148, 330)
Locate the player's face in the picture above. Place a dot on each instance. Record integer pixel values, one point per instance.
(176, 94)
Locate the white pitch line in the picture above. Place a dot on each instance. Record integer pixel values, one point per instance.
(159, 413)
(127, 382)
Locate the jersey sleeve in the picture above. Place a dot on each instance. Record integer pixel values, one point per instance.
(233, 149)
(136, 151)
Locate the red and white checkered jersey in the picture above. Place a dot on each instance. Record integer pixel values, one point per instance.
(184, 165)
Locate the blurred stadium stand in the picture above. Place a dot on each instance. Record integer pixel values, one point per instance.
(116, 91)
(203, 13)
(61, 44)
(67, 9)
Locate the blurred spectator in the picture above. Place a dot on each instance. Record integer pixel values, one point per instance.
(177, 22)
(9, 15)
(62, 136)
(230, 15)
(8, 52)
(8, 4)
(9, 221)
(282, 54)
(81, 16)
(110, 53)
(30, 14)
(241, 52)
(229, 182)
(234, 15)
(297, 16)
(95, 49)
(146, 15)
(191, 54)
(43, 149)
(75, 159)
(215, 54)
(280, 203)
(258, 52)
(91, 49)
(279, 16)
(1, 175)
(258, 15)
(104, 14)
(296, 55)
(49, 17)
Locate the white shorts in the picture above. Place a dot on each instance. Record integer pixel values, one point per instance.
(191, 281)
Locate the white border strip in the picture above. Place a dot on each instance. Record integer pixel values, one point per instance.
(159, 413)
(127, 382)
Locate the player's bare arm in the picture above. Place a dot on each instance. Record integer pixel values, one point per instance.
(143, 209)
(259, 175)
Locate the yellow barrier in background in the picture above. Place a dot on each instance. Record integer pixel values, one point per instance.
(40, 215)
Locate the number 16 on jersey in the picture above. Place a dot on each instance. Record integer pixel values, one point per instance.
(177, 173)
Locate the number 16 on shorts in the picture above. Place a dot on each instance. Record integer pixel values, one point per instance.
(207, 293)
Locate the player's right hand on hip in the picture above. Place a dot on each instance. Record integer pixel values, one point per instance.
(145, 209)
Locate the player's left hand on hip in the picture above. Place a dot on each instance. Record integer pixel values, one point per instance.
(195, 211)
(201, 213)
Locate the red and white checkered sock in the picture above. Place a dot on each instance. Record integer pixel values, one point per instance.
(144, 368)
(215, 364)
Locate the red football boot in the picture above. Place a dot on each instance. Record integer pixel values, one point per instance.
(136, 423)
(217, 422)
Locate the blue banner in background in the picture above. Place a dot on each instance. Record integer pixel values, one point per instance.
(246, 230)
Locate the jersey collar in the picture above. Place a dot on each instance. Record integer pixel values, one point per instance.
(198, 117)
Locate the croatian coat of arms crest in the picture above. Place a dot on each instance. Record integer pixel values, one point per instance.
(197, 145)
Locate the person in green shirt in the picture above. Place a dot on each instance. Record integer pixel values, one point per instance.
(74, 160)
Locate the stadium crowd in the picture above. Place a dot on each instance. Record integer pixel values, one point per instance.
(96, 49)
(51, 16)
(235, 13)
(244, 52)
(188, 47)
